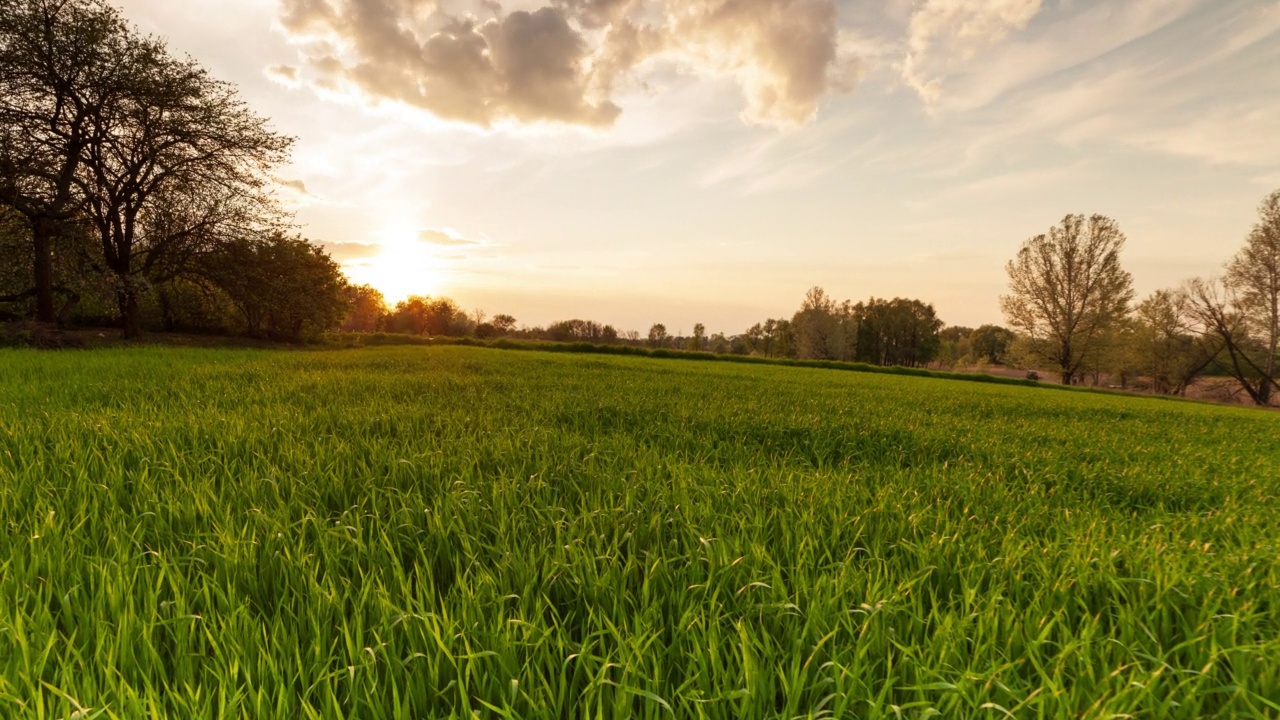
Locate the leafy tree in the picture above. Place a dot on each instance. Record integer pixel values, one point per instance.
(990, 343)
(1116, 358)
(284, 288)
(581, 331)
(368, 307)
(421, 315)
(1253, 276)
(177, 166)
(64, 66)
(779, 339)
(954, 346)
(503, 323)
(699, 340)
(658, 335)
(720, 344)
(897, 332)
(193, 305)
(815, 326)
(1067, 289)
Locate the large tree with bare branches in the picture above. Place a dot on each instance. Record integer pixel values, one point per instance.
(1066, 288)
(1241, 312)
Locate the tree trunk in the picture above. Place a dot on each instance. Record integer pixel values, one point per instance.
(68, 307)
(42, 237)
(1067, 377)
(130, 314)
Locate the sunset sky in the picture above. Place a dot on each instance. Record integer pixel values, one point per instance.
(683, 161)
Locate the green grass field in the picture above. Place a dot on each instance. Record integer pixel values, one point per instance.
(432, 532)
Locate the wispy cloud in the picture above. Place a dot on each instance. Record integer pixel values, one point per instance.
(448, 237)
(352, 252)
(944, 34)
(1121, 86)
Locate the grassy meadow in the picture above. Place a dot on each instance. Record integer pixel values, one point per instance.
(464, 532)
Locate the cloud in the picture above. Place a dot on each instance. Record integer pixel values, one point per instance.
(447, 238)
(566, 61)
(449, 244)
(945, 33)
(1134, 96)
(348, 252)
(296, 186)
(286, 75)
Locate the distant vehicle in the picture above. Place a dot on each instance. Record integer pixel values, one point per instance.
(1033, 375)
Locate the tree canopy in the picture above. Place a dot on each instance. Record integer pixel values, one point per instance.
(1066, 288)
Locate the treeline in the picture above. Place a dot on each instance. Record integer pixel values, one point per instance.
(137, 189)
(879, 332)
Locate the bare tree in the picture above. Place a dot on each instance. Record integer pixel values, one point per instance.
(1254, 276)
(1167, 352)
(1242, 311)
(1067, 288)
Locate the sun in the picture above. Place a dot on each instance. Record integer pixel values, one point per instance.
(404, 266)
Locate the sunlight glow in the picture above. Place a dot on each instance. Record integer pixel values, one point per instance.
(405, 266)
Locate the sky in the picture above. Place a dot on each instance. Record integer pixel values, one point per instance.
(707, 161)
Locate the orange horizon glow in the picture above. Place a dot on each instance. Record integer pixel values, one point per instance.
(403, 267)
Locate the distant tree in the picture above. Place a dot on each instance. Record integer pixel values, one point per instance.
(447, 318)
(1167, 352)
(632, 336)
(503, 323)
(581, 331)
(719, 344)
(1116, 359)
(658, 335)
(954, 346)
(779, 340)
(991, 342)
(897, 332)
(421, 315)
(699, 339)
(815, 325)
(1067, 289)
(410, 316)
(744, 344)
(1242, 312)
(1253, 276)
(564, 330)
(753, 339)
(499, 326)
(367, 309)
